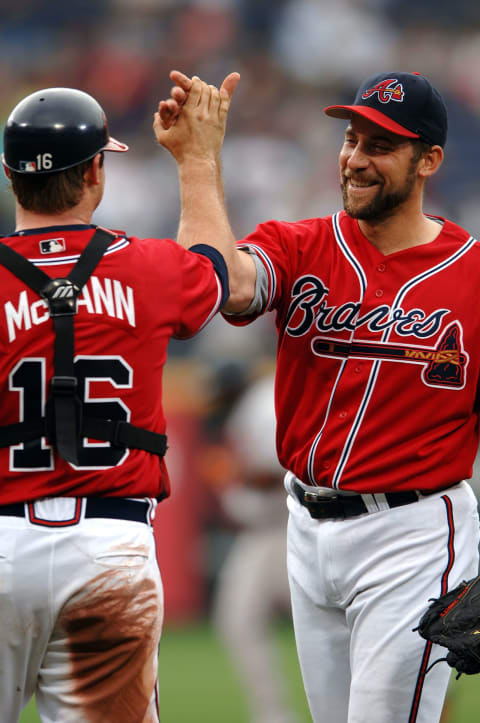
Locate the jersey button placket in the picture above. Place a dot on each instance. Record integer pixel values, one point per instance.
(381, 268)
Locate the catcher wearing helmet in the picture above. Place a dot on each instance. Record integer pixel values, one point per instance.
(87, 316)
(54, 129)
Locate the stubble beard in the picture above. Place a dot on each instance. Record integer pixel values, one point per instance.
(383, 204)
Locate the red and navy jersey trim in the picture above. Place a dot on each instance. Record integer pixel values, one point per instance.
(218, 264)
(269, 268)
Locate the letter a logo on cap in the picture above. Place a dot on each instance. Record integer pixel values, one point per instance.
(385, 91)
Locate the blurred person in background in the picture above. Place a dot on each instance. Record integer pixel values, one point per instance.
(376, 388)
(252, 585)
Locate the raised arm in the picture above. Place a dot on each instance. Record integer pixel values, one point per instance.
(191, 125)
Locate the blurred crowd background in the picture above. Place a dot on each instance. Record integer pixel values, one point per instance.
(280, 161)
(280, 154)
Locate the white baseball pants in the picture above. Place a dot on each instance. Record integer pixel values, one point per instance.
(359, 586)
(81, 612)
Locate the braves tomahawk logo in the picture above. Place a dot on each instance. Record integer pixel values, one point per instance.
(387, 90)
(447, 367)
(444, 364)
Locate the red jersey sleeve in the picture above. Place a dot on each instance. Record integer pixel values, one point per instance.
(200, 293)
(280, 247)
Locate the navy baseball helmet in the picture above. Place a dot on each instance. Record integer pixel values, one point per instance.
(54, 129)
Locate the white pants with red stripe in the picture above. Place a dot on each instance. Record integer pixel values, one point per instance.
(359, 586)
(81, 612)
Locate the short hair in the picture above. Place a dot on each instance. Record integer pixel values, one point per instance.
(50, 193)
(419, 148)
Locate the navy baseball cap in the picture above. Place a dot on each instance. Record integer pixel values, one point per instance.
(403, 103)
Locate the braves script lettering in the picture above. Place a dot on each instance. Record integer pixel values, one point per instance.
(309, 307)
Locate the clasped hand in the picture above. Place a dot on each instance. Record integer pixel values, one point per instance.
(191, 123)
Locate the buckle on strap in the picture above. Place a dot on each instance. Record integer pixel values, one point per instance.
(312, 497)
(119, 429)
(322, 506)
(61, 296)
(64, 386)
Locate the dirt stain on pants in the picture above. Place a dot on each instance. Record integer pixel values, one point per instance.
(113, 631)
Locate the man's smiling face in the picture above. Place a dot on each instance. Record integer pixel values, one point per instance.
(377, 170)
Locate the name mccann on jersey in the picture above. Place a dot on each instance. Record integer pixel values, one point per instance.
(99, 296)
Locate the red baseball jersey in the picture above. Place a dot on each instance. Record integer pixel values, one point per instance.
(142, 293)
(378, 356)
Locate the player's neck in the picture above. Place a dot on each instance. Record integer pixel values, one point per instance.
(80, 214)
(27, 220)
(399, 232)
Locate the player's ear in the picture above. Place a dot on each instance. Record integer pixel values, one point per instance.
(430, 161)
(93, 173)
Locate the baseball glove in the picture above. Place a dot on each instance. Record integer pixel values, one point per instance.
(453, 620)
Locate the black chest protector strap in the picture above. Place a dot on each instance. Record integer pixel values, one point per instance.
(64, 423)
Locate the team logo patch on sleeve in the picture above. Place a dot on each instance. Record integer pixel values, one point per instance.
(52, 246)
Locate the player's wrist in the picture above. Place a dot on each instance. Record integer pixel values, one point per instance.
(195, 160)
(198, 171)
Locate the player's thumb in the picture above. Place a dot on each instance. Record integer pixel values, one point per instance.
(163, 136)
(229, 84)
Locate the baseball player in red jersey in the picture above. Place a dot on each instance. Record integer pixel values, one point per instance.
(87, 314)
(376, 392)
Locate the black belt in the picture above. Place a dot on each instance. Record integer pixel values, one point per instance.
(322, 507)
(115, 508)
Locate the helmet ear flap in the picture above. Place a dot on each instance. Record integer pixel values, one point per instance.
(54, 129)
(6, 169)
